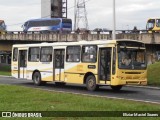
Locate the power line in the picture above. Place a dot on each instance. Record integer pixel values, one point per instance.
(80, 3)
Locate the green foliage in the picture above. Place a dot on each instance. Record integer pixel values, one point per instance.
(154, 74)
(5, 70)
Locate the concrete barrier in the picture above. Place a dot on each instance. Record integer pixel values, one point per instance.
(147, 38)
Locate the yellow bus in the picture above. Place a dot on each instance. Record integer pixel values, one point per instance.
(153, 25)
(2, 27)
(94, 63)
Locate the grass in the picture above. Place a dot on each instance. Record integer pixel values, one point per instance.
(153, 74)
(18, 98)
(5, 73)
(5, 70)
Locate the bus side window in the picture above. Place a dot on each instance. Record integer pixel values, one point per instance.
(46, 54)
(73, 54)
(15, 54)
(33, 55)
(89, 53)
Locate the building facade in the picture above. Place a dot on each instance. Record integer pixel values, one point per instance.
(53, 8)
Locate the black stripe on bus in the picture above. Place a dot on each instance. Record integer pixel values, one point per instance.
(77, 73)
(40, 71)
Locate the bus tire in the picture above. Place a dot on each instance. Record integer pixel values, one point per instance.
(91, 83)
(117, 87)
(37, 79)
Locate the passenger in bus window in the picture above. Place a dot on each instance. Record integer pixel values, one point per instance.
(70, 58)
(86, 57)
(48, 58)
(76, 59)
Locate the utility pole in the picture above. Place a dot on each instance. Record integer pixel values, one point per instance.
(75, 15)
(80, 15)
(114, 21)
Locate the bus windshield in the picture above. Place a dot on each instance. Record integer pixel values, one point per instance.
(150, 24)
(130, 58)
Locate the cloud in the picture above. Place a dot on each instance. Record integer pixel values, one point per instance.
(129, 13)
(15, 16)
(17, 3)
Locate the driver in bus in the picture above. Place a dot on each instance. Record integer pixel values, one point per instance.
(126, 61)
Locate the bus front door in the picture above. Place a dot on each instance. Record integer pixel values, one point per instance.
(59, 64)
(22, 64)
(105, 64)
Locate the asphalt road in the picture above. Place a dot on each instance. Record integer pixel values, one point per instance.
(141, 94)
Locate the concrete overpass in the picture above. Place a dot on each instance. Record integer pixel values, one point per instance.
(147, 38)
(152, 41)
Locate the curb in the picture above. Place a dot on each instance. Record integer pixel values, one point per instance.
(5, 76)
(149, 87)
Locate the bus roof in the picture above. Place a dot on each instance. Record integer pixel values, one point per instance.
(153, 18)
(96, 42)
(41, 19)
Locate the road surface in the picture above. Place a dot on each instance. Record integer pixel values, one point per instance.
(141, 94)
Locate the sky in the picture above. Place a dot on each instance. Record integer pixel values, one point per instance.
(129, 13)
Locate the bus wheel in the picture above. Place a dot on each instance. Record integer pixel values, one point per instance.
(37, 79)
(116, 88)
(91, 83)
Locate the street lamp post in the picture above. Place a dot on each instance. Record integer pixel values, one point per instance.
(114, 21)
